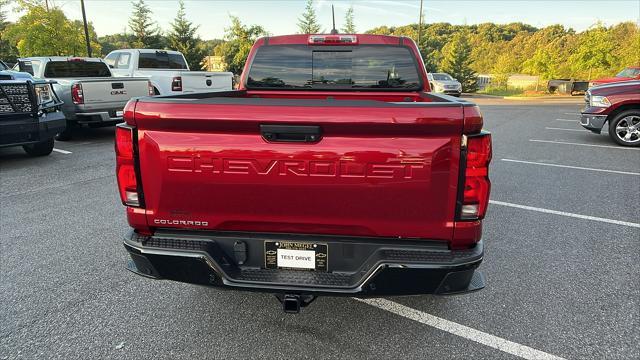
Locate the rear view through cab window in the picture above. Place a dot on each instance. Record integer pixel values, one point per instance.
(366, 67)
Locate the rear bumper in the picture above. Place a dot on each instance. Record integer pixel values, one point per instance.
(99, 117)
(25, 129)
(357, 266)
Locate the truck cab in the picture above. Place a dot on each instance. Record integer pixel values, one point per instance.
(627, 74)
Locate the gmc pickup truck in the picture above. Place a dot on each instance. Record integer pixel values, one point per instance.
(92, 96)
(331, 171)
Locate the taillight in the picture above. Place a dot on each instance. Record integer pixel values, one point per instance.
(152, 91)
(176, 83)
(76, 94)
(130, 193)
(473, 198)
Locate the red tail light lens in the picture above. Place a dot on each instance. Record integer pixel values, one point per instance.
(76, 94)
(475, 193)
(125, 167)
(176, 83)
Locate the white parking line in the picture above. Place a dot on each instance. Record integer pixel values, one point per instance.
(572, 120)
(581, 144)
(466, 332)
(574, 114)
(564, 129)
(572, 167)
(568, 214)
(62, 151)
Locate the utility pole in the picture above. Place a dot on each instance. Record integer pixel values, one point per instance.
(46, 4)
(86, 29)
(420, 25)
(333, 19)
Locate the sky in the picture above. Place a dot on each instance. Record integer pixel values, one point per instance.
(280, 17)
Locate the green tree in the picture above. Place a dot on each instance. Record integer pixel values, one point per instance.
(456, 61)
(543, 63)
(307, 23)
(145, 31)
(349, 25)
(238, 41)
(115, 42)
(626, 36)
(429, 59)
(594, 52)
(505, 65)
(210, 45)
(8, 52)
(183, 38)
(41, 32)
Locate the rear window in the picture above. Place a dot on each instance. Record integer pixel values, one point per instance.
(161, 60)
(76, 69)
(629, 72)
(442, 77)
(344, 67)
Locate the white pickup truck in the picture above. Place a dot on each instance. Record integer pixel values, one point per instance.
(167, 71)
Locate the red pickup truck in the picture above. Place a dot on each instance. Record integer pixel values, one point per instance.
(617, 104)
(628, 74)
(332, 170)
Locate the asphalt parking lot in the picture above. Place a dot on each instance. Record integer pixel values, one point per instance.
(562, 265)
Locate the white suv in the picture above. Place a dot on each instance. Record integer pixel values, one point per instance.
(444, 83)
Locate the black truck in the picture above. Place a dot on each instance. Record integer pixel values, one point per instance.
(30, 113)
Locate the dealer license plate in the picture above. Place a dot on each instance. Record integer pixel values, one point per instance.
(119, 113)
(295, 255)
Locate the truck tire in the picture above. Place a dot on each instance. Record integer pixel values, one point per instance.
(624, 128)
(41, 148)
(66, 134)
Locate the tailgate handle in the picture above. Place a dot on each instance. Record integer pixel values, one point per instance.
(291, 133)
(117, 85)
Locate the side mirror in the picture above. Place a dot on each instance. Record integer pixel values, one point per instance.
(111, 66)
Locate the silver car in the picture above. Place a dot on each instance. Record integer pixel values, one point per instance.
(444, 83)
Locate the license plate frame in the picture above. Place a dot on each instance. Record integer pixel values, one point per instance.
(274, 250)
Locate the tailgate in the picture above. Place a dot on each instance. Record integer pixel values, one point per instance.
(203, 81)
(388, 170)
(118, 90)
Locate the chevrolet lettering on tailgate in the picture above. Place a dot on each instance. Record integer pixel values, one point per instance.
(205, 165)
